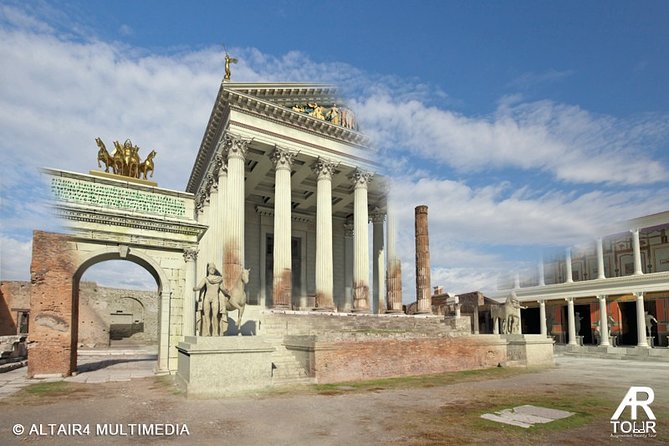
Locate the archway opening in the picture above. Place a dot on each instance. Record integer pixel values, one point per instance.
(116, 303)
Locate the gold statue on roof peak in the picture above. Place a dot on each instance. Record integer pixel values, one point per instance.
(228, 60)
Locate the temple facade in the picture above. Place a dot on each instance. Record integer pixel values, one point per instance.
(612, 292)
(288, 187)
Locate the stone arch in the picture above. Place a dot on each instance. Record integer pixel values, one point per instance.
(149, 264)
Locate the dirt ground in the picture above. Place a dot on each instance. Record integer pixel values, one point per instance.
(426, 411)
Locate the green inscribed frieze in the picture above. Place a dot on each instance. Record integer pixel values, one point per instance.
(102, 195)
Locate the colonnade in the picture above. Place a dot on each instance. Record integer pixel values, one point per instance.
(220, 205)
(603, 320)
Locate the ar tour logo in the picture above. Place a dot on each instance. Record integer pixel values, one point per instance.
(635, 427)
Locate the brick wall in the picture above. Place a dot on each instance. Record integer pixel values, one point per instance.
(14, 296)
(388, 357)
(52, 348)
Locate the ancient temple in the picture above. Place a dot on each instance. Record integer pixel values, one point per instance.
(287, 186)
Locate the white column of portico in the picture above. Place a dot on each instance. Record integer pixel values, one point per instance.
(641, 321)
(360, 238)
(348, 267)
(542, 317)
(636, 247)
(282, 282)
(378, 272)
(394, 273)
(203, 258)
(571, 320)
(234, 229)
(601, 274)
(603, 321)
(542, 274)
(567, 264)
(218, 237)
(324, 276)
(214, 223)
(190, 256)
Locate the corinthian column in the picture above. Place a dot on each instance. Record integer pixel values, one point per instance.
(235, 149)
(282, 286)
(324, 278)
(567, 266)
(394, 281)
(636, 247)
(360, 239)
(218, 241)
(348, 267)
(601, 274)
(423, 287)
(190, 255)
(378, 270)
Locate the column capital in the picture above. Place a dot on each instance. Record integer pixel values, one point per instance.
(377, 216)
(541, 301)
(639, 294)
(569, 299)
(190, 254)
(602, 297)
(235, 146)
(220, 164)
(348, 230)
(361, 178)
(282, 158)
(323, 168)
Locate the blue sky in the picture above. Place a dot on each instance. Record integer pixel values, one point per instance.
(523, 125)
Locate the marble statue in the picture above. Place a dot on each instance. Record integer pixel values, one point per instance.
(649, 321)
(212, 302)
(237, 297)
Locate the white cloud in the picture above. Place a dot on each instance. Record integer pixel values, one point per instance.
(14, 259)
(564, 141)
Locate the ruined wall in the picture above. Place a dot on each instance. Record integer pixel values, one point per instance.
(52, 348)
(14, 296)
(391, 357)
(102, 313)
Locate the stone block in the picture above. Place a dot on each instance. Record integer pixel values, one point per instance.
(217, 366)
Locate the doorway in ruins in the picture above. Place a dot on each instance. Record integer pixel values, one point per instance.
(585, 325)
(296, 267)
(118, 309)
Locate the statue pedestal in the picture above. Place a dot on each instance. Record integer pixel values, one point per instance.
(529, 350)
(217, 366)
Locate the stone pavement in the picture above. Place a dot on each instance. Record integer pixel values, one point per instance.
(94, 366)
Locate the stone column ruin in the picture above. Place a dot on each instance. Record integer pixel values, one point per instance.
(423, 287)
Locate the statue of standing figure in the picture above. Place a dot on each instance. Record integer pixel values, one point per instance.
(211, 303)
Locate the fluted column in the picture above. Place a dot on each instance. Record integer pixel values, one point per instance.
(378, 270)
(282, 286)
(542, 275)
(567, 264)
(360, 239)
(218, 242)
(601, 274)
(636, 247)
(348, 267)
(190, 255)
(571, 320)
(603, 322)
(394, 281)
(542, 317)
(641, 321)
(324, 277)
(423, 286)
(203, 218)
(235, 149)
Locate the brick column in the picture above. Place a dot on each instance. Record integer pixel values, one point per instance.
(423, 287)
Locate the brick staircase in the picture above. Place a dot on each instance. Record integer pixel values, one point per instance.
(286, 369)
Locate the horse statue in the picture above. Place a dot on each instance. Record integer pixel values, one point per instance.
(508, 315)
(104, 156)
(147, 165)
(237, 299)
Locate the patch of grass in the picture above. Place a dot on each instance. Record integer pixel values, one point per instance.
(423, 381)
(55, 388)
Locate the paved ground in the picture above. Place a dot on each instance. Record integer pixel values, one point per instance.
(430, 414)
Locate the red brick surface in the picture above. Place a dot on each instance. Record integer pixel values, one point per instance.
(52, 348)
(382, 358)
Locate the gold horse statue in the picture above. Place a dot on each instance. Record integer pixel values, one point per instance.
(147, 165)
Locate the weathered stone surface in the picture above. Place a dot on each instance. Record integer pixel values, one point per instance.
(423, 287)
